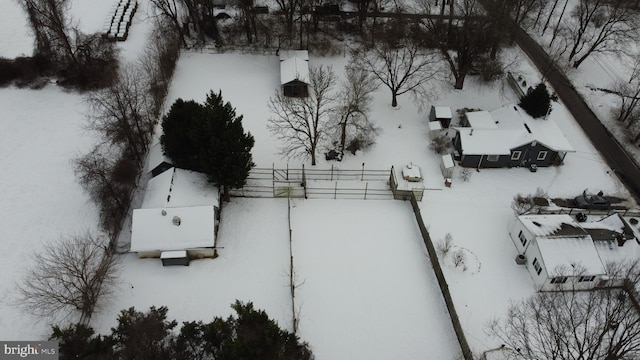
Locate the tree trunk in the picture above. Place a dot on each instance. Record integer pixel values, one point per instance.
(459, 81)
(343, 134)
(225, 193)
(394, 98)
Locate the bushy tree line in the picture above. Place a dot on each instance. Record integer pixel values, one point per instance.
(209, 138)
(83, 61)
(124, 116)
(249, 334)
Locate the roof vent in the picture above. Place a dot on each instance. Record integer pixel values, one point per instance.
(163, 212)
(176, 220)
(536, 223)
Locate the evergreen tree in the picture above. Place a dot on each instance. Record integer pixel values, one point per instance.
(227, 157)
(537, 101)
(182, 133)
(78, 342)
(209, 138)
(142, 336)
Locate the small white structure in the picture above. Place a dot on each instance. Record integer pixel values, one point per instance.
(446, 166)
(559, 253)
(189, 229)
(442, 114)
(435, 129)
(294, 73)
(180, 212)
(412, 173)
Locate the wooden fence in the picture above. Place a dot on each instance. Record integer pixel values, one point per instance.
(573, 211)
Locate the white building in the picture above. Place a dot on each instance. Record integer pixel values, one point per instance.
(294, 73)
(180, 212)
(562, 254)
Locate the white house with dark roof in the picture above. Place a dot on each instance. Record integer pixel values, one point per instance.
(562, 254)
(179, 214)
(294, 73)
(509, 137)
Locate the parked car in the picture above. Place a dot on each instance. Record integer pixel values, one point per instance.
(587, 201)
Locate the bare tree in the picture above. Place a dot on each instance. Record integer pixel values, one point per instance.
(301, 123)
(121, 112)
(628, 111)
(600, 26)
(522, 204)
(70, 275)
(351, 121)
(109, 178)
(288, 9)
(599, 324)
(403, 68)
(51, 26)
(174, 13)
(472, 37)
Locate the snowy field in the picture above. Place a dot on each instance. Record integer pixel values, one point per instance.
(367, 285)
(367, 289)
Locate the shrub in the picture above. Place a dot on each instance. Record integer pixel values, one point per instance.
(537, 101)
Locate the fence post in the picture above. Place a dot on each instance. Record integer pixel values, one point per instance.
(331, 172)
(366, 186)
(335, 191)
(362, 175)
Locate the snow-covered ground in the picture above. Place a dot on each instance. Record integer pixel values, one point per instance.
(368, 291)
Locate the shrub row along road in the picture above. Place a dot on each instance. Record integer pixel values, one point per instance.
(619, 161)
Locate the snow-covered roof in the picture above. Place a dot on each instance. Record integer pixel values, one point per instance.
(412, 173)
(544, 131)
(294, 68)
(179, 188)
(481, 120)
(447, 161)
(562, 253)
(561, 225)
(509, 127)
(435, 125)
(154, 229)
(156, 157)
(300, 54)
(486, 141)
(442, 112)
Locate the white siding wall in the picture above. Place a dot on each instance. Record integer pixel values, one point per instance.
(516, 227)
(532, 253)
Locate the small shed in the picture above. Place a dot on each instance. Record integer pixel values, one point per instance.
(178, 257)
(446, 166)
(435, 129)
(442, 114)
(294, 73)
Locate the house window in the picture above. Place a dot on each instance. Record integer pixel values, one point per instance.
(542, 155)
(586, 278)
(522, 238)
(516, 155)
(559, 280)
(493, 157)
(536, 265)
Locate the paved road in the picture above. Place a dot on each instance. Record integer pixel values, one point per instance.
(601, 138)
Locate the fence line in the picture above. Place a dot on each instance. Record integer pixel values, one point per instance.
(333, 183)
(442, 282)
(572, 211)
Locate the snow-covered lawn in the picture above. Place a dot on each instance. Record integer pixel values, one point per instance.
(366, 289)
(42, 131)
(252, 265)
